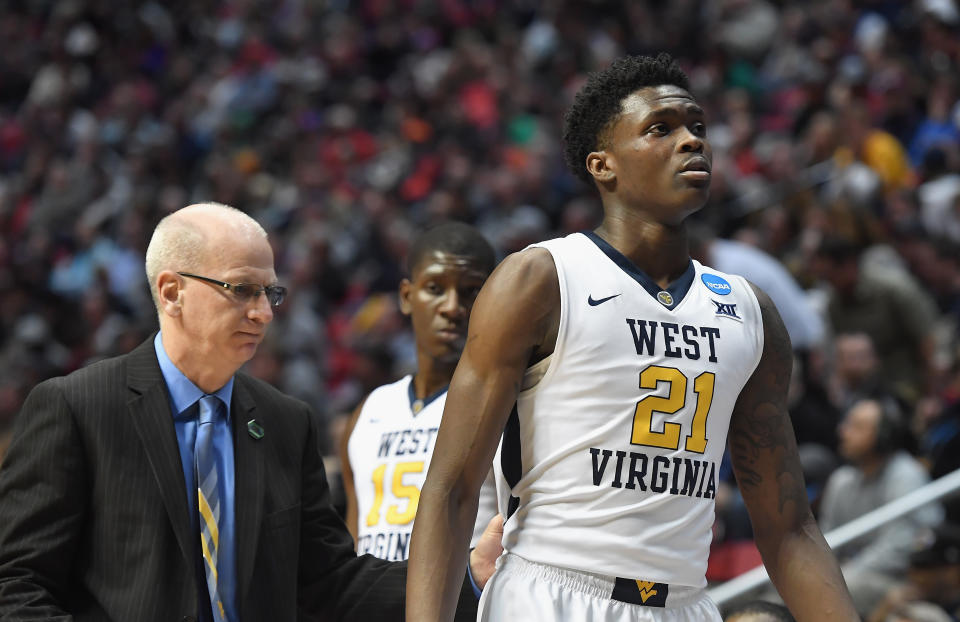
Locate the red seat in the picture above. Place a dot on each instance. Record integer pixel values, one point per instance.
(731, 559)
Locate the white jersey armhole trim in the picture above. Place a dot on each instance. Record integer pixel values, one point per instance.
(370, 403)
(762, 332)
(535, 373)
(542, 370)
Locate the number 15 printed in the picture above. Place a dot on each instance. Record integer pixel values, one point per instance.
(395, 516)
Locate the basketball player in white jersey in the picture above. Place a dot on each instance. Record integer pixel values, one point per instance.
(628, 363)
(389, 439)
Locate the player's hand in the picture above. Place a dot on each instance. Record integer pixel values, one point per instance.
(483, 557)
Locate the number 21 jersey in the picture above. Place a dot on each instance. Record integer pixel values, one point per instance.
(612, 455)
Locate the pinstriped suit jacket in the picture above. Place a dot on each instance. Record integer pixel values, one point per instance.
(95, 525)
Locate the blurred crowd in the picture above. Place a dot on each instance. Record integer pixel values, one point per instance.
(345, 127)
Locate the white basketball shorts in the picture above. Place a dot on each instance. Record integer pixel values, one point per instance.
(532, 592)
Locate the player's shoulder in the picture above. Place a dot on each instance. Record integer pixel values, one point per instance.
(532, 267)
(525, 288)
(531, 257)
(389, 391)
(572, 241)
(722, 283)
(382, 404)
(386, 397)
(770, 319)
(734, 295)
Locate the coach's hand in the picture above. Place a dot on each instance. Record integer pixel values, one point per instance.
(483, 558)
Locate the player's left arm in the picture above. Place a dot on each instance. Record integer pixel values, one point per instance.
(764, 455)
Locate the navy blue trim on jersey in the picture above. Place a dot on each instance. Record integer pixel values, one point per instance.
(510, 458)
(425, 401)
(678, 289)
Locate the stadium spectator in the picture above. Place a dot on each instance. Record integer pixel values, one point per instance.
(933, 577)
(939, 193)
(878, 472)
(897, 316)
(939, 422)
(856, 373)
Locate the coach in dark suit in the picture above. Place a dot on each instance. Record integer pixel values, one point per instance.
(164, 485)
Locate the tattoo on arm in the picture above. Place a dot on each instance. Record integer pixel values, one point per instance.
(762, 443)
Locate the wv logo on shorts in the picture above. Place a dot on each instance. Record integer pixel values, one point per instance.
(634, 591)
(718, 285)
(727, 310)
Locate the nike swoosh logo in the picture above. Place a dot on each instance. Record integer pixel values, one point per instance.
(593, 303)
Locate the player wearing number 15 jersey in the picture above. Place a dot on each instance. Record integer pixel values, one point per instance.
(390, 437)
(616, 368)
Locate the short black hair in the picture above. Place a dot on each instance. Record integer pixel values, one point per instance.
(455, 238)
(892, 432)
(775, 611)
(599, 102)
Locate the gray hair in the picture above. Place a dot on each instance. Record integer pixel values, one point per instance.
(178, 243)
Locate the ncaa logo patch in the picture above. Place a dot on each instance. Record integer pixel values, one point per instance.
(716, 284)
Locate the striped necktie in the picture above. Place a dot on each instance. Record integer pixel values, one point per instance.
(209, 497)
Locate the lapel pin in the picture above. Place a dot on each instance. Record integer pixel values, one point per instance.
(254, 429)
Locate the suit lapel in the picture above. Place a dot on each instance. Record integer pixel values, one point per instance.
(249, 482)
(149, 409)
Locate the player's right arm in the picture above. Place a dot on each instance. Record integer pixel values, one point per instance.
(346, 472)
(514, 319)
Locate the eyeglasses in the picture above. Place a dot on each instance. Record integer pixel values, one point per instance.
(246, 291)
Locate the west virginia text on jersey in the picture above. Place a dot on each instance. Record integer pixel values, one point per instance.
(612, 456)
(390, 450)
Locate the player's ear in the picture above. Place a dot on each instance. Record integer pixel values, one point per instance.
(599, 165)
(403, 295)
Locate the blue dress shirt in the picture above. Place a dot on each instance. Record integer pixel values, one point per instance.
(183, 395)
